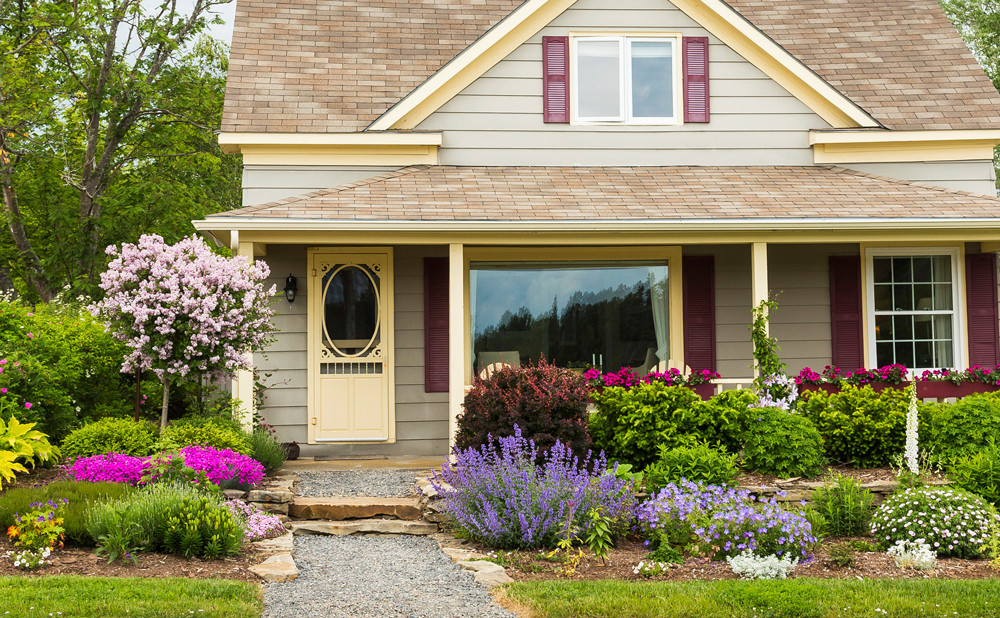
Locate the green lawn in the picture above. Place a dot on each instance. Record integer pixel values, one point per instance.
(793, 598)
(73, 595)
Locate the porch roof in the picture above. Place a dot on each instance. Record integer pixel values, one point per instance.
(567, 195)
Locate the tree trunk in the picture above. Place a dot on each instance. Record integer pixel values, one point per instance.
(166, 400)
(138, 393)
(33, 265)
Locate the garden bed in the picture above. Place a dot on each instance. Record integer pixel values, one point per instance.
(531, 565)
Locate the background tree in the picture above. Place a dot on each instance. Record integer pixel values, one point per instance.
(182, 309)
(107, 112)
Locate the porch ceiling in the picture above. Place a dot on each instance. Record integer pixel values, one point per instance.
(568, 197)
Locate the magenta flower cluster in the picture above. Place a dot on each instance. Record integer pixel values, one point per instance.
(627, 378)
(976, 373)
(500, 495)
(723, 521)
(220, 465)
(891, 374)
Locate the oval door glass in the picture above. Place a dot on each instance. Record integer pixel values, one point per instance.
(351, 309)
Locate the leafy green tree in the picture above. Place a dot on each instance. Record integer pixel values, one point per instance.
(107, 119)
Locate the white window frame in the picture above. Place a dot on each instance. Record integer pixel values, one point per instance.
(625, 80)
(957, 311)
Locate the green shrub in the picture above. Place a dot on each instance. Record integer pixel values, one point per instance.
(176, 518)
(781, 443)
(699, 463)
(952, 521)
(216, 432)
(265, 448)
(979, 472)
(110, 435)
(632, 424)
(546, 402)
(82, 497)
(721, 420)
(845, 506)
(859, 425)
(61, 360)
(964, 427)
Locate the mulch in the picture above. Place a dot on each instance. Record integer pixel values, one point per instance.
(531, 565)
(862, 475)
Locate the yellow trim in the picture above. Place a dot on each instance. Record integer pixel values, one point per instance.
(243, 380)
(962, 311)
(899, 146)
(990, 247)
(458, 336)
(828, 136)
(675, 273)
(343, 154)
(387, 329)
(481, 56)
(732, 29)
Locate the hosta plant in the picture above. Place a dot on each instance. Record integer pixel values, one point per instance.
(21, 445)
(952, 521)
(699, 463)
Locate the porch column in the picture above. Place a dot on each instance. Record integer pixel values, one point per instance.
(758, 278)
(456, 337)
(242, 387)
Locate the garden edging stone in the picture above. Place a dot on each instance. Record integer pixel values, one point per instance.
(277, 568)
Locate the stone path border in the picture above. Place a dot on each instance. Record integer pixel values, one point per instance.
(275, 497)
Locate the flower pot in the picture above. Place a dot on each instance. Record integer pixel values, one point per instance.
(291, 450)
(705, 391)
(878, 387)
(944, 389)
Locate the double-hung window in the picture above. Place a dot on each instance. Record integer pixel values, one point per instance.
(624, 79)
(913, 298)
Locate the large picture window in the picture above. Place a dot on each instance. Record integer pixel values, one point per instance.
(607, 314)
(629, 80)
(913, 296)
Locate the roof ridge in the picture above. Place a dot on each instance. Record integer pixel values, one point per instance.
(912, 183)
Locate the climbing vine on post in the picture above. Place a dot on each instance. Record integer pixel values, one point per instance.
(767, 363)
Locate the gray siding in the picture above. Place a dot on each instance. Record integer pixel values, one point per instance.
(973, 176)
(269, 183)
(421, 417)
(497, 120)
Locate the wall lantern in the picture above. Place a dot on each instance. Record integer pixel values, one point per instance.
(291, 287)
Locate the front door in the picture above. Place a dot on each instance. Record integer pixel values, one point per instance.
(350, 337)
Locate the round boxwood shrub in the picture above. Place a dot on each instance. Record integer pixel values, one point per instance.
(701, 463)
(782, 443)
(215, 432)
(632, 424)
(964, 427)
(952, 521)
(722, 420)
(548, 403)
(110, 435)
(859, 425)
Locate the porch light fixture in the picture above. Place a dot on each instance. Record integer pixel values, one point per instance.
(291, 287)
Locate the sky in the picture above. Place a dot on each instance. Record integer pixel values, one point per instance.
(222, 32)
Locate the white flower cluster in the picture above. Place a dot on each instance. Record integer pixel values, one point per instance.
(751, 566)
(913, 555)
(953, 523)
(649, 569)
(779, 391)
(28, 559)
(911, 453)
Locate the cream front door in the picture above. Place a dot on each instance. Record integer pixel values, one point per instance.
(350, 337)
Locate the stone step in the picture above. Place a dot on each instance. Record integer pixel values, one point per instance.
(339, 508)
(363, 526)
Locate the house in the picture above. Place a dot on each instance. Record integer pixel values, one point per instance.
(452, 184)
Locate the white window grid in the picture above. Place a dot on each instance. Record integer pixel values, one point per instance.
(957, 325)
(625, 81)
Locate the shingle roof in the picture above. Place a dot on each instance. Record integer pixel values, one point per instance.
(902, 61)
(327, 66)
(336, 65)
(452, 193)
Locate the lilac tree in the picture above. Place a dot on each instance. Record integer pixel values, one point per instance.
(181, 308)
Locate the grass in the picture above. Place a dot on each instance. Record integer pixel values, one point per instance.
(73, 595)
(81, 495)
(798, 598)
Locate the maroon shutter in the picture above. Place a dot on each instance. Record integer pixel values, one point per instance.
(436, 325)
(984, 321)
(845, 312)
(696, 106)
(699, 312)
(555, 78)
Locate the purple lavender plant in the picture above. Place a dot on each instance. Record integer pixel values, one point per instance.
(722, 521)
(499, 495)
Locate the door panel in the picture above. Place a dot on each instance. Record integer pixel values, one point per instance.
(350, 330)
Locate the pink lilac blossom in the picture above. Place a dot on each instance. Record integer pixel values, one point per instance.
(181, 308)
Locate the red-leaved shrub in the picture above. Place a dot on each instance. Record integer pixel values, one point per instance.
(548, 403)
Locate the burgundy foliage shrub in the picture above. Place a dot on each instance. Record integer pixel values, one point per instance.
(548, 403)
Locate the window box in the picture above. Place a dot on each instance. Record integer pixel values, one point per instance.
(944, 389)
(706, 391)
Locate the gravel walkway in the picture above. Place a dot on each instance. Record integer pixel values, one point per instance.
(378, 483)
(386, 577)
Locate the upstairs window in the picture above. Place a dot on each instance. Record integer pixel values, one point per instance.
(629, 80)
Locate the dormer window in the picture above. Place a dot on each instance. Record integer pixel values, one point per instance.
(623, 79)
